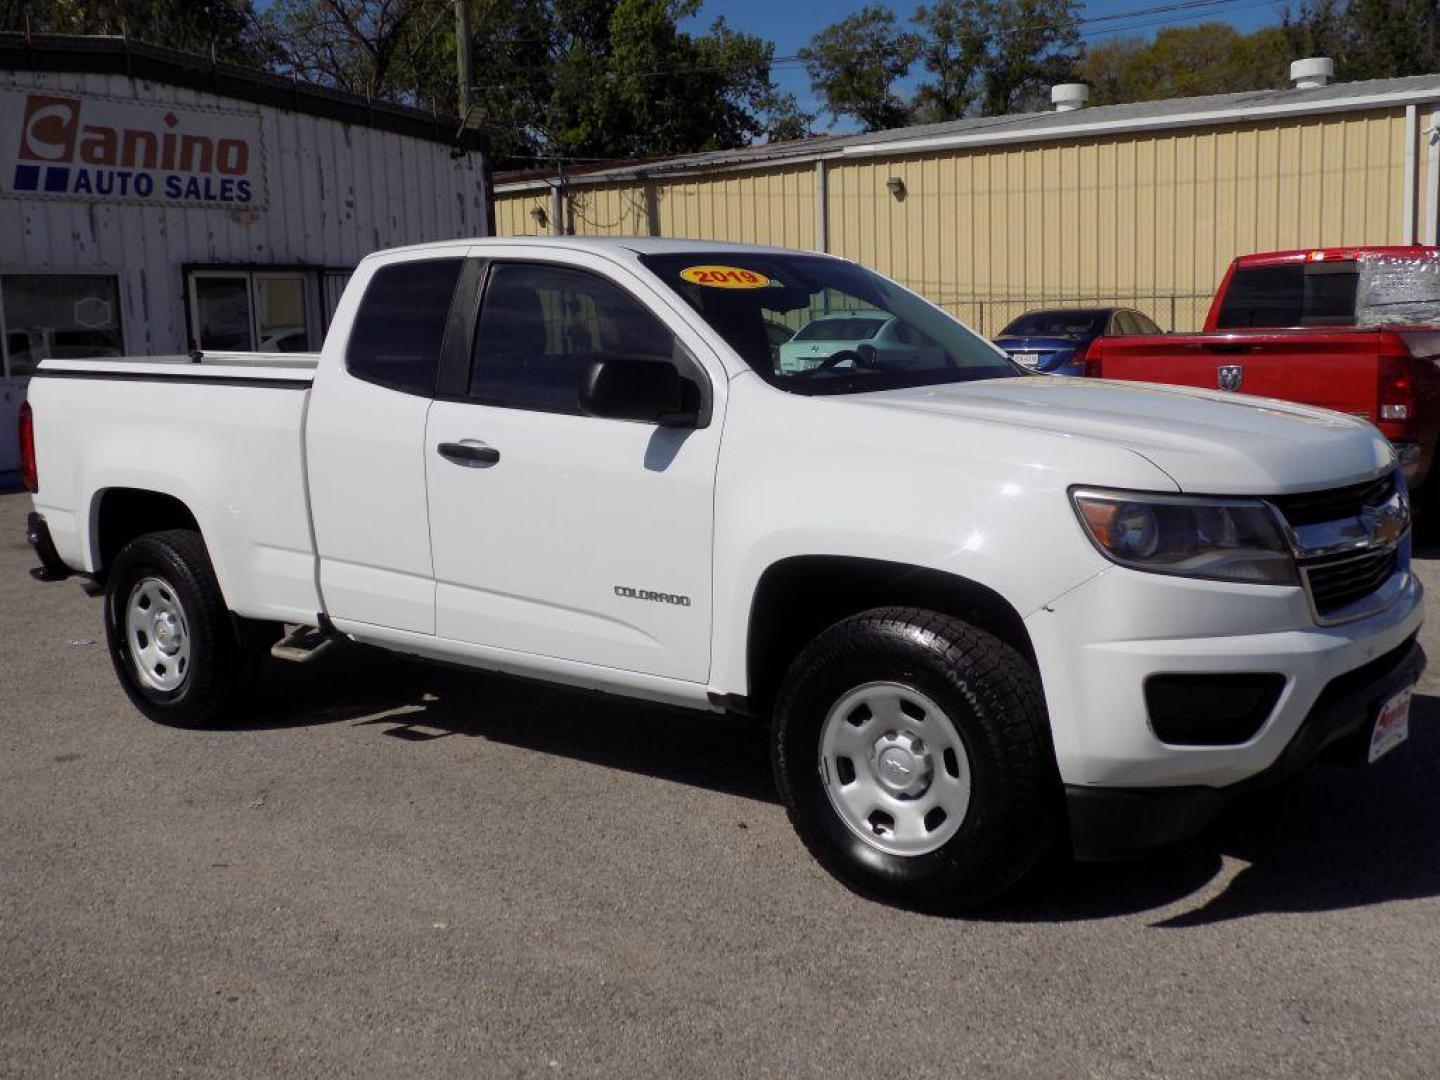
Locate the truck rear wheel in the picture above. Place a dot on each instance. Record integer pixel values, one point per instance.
(180, 655)
(913, 755)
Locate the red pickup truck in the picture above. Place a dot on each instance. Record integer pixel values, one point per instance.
(1353, 329)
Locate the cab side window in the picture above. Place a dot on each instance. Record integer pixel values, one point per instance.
(400, 325)
(541, 327)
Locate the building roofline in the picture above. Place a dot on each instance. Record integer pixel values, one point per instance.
(1197, 118)
(123, 56)
(1020, 128)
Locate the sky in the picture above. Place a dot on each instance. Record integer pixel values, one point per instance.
(790, 25)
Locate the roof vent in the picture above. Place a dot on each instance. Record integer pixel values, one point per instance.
(1312, 72)
(1067, 97)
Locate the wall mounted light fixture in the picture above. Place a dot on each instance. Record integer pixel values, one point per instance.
(538, 215)
(896, 187)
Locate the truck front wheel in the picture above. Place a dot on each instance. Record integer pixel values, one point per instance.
(912, 753)
(179, 653)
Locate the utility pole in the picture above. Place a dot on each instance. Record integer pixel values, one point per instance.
(462, 56)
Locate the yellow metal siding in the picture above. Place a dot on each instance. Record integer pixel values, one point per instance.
(770, 206)
(512, 214)
(1148, 220)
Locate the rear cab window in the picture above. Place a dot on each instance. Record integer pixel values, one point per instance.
(1291, 295)
(399, 329)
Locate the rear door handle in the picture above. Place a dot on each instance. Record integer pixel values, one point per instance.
(470, 454)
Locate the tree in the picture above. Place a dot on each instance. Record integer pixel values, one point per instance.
(197, 26)
(643, 87)
(1033, 45)
(1212, 58)
(355, 45)
(954, 52)
(566, 78)
(990, 57)
(786, 121)
(1368, 39)
(854, 65)
(672, 92)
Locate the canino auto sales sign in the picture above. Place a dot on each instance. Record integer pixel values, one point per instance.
(105, 149)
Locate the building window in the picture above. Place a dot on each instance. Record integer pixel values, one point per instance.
(259, 310)
(65, 316)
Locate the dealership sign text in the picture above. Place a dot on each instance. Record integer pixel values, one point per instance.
(104, 149)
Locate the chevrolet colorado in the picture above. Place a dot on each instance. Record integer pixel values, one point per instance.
(986, 611)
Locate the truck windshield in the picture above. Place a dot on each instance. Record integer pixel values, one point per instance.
(854, 331)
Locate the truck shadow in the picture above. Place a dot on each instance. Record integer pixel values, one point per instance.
(1334, 838)
(417, 702)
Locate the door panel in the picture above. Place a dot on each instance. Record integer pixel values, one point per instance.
(365, 447)
(587, 540)
(559, 534)
(367, 495)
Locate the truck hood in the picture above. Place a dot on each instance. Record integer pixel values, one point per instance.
(1206, 441)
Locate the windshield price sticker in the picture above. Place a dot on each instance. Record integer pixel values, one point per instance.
(724, 277)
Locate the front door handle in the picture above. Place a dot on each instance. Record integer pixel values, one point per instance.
(471, 455)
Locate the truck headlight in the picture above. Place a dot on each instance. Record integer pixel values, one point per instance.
(1219, 539)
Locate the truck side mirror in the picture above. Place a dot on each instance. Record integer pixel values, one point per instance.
(648, 391)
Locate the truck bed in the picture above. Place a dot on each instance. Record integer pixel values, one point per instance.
(222, 436)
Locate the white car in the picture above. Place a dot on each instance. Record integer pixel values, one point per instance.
(985, 610)
(858, 338)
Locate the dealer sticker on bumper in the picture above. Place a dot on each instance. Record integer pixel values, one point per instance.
(1392, 726)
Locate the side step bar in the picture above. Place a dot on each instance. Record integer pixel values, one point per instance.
(303, 644)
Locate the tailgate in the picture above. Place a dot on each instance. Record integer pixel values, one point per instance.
(1334, 369)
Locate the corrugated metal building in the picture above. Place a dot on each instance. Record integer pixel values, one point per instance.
(152, 201)
(1137, 205)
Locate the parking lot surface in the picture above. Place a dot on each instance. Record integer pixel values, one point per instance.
(393, 869)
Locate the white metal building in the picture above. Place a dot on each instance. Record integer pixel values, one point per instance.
(153, 202)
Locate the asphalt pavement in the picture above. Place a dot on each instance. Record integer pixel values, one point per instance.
(393, 869)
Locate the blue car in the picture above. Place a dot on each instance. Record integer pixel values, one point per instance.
(1054, 342)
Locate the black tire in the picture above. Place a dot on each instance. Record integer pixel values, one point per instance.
(223, 652)
(992, 697)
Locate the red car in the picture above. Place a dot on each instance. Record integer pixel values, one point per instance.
(1353, 329)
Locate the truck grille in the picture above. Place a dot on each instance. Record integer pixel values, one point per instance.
(1327, 525)
(1313, 507)
(1338, 582)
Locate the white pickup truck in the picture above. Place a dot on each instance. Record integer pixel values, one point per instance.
(988, 612)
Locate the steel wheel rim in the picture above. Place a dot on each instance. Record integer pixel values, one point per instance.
(157, 635)
(894, 768)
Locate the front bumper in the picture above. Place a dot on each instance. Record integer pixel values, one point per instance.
(1110, 823)
(1098, 644)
